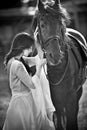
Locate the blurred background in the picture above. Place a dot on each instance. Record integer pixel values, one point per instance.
(16, 16)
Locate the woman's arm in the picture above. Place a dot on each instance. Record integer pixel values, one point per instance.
(30, 60)
(23, 75)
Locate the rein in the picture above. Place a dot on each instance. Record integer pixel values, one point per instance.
(56, 37)
(55, 84)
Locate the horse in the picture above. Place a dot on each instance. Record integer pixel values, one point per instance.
(66, 52)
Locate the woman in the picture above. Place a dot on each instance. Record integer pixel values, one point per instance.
(21, 113)
(24, 112)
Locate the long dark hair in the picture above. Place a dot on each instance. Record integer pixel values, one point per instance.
(20, 42)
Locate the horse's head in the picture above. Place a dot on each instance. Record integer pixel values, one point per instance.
(50, 22)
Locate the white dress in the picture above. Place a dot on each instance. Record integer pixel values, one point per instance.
(27, 110)
(41, 96)
(21, 113)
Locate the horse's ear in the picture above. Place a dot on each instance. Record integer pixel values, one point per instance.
(40, 6)
(57, 3)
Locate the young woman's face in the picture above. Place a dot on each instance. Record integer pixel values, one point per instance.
(26, 52)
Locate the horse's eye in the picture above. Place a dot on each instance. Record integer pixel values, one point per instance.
(46, 14)
(42, 25)
(43, 15)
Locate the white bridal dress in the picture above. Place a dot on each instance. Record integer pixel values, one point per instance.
(29, 106)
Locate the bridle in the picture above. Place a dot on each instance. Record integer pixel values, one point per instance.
(45, 43)
(53, 13)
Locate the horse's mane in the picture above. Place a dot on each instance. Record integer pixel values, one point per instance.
(64, 15)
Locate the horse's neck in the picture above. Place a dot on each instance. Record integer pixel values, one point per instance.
(55, 73)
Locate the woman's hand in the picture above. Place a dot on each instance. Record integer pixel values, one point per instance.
(29, 60)
(42, 62)
(39, 66)
(34, 61)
